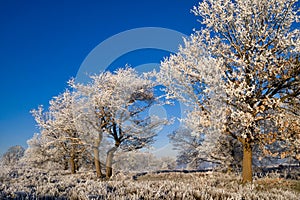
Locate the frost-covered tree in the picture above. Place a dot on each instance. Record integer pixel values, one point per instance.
(40, 154)
(59, 135)
(118, 104)
(12, 155)
(36, 155)
(137, 161)
(93, 116)
(225, 154)
(288, 120)
(187, 146)
(167, 163)
(237, 71)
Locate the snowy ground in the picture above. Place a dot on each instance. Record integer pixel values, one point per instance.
(38, 184)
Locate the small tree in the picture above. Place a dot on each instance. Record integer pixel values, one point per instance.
(187, 146)
(225, 153)
(12, 155)
(118, 103)
(137, 161)
(59, 129)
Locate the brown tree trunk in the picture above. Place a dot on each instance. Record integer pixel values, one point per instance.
(247, 161)
(73, 156)
(72, 163)
(97, 162)
(109, 160)
(96, 155)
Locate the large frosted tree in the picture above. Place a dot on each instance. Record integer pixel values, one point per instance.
(240, 70)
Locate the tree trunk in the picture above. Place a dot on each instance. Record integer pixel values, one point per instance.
(73, 156)
(72, 163)
(97, 162)
(96, 155)
(109, 160)
(247, 161)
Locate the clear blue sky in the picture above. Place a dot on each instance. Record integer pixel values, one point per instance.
(43, 43)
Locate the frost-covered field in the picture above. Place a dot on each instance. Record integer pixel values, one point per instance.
(38, 184)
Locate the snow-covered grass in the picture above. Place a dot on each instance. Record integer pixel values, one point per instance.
(33, 183)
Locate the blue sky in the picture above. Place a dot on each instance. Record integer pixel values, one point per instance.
(43, 44)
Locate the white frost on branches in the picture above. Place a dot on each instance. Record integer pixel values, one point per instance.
(238, 70)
